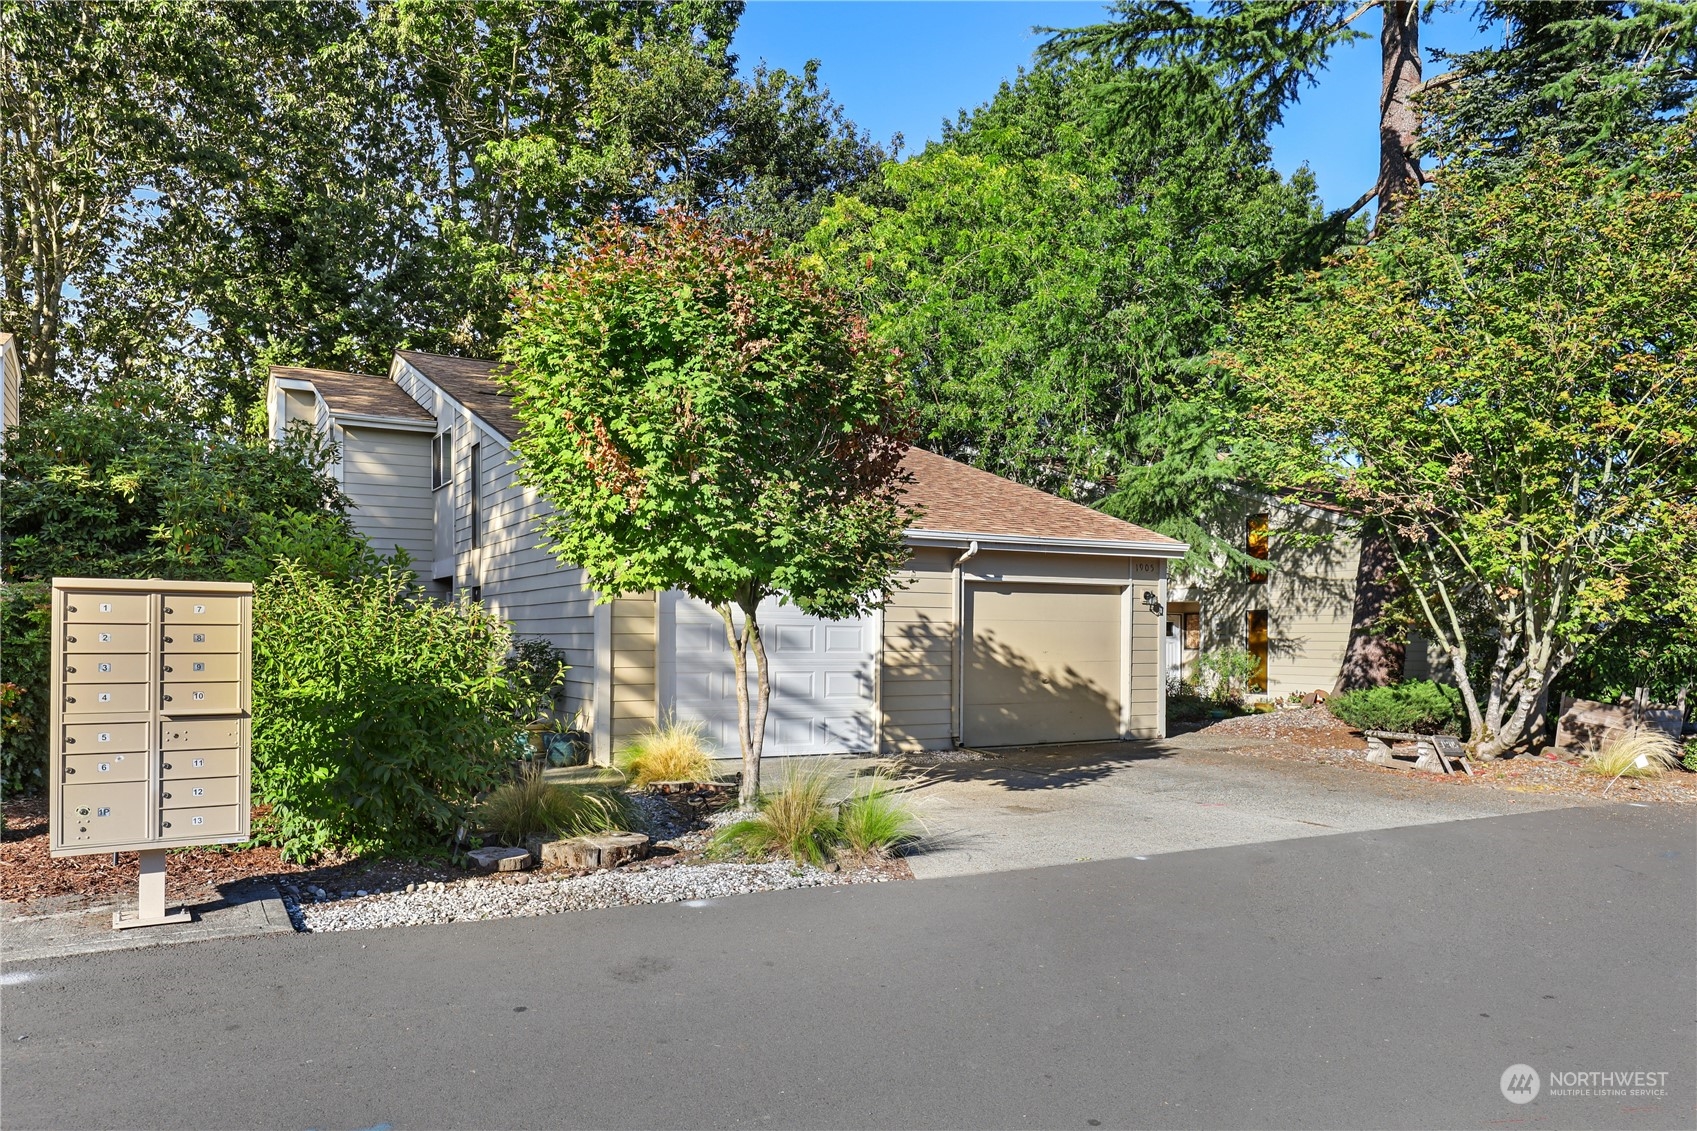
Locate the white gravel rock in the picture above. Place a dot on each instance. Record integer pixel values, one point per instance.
(477, 899)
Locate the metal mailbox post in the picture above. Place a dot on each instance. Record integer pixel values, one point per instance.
(149, 748)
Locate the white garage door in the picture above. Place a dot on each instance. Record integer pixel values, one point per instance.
(1044, 664)
(822, 700)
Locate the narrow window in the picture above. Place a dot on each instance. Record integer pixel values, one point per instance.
(1258, 648)
(1255, 544)
(441, 460)
(474, 471)
(1192, 631)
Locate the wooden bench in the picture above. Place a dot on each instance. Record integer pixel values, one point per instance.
(1434, 752)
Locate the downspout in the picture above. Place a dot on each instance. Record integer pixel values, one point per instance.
(956, 683)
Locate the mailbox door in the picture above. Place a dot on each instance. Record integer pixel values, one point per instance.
(106, 638)
(181, 638)
(202, 666)
(106, 813)
(200, 763)
(203, 821)
(88, 769)
(198, 792)
(104, 698)
(191, 609)
(105, 738)
(219, 698)
(116, 667)
(106, 608)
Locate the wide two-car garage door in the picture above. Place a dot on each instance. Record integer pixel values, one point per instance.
(1044, 663)
(822, 678)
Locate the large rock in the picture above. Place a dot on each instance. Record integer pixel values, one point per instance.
(500, 859)
(588, 853)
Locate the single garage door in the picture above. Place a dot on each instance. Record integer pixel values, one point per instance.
(822, 692)
(1044, 664)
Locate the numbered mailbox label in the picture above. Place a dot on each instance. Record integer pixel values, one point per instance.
(105, 767)
(105, 606)
(197, 820)
(103, 736)
(198, 665)
(106, 638)
(198, 763)
(104, 697)
(200, 638)
(103, 811)
(198, 791)
(103, 666)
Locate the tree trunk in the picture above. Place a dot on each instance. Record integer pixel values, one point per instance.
(1371, 659)
(751, 724)
(1399, 124)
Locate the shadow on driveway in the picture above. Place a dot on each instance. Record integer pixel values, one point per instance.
(1062, 766)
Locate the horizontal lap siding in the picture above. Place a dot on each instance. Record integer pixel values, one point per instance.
(521, 581)
(635, 688)
(915, 676)
(387, 476)
(1147, 689)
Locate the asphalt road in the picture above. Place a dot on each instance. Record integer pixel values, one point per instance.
(1382, 978)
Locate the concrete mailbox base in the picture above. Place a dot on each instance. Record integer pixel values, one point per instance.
(150, 901)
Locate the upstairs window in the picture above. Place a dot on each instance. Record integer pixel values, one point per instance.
(441, 460)
(474, 472)
(1255, 544)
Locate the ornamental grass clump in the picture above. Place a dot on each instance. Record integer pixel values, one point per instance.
(878, 819)
(673, 752)
(531, 805)
(1646, 754)
(798, 820)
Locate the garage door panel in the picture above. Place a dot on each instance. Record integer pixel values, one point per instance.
(1044, 664)
(822, 680)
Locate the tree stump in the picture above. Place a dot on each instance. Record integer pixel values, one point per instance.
(591, 853)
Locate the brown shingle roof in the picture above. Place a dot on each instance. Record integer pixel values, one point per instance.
(358, 393)
(471, 382)
(960, 499)
(956, 498)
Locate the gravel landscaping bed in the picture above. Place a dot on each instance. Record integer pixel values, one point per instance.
(529, 894)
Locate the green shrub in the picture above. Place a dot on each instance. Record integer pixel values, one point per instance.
(532, 805)
(673, 752)
(378, 716)
(1417, 707)
(877, 818)
(1689, 761)
(796, 820)
(320, 542)
(26, 628)
(540, 667)
(1224, 673)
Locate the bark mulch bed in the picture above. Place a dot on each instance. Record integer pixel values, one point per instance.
(28, 875)
(1315, 735)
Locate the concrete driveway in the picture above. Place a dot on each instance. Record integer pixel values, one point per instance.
(1049, 805)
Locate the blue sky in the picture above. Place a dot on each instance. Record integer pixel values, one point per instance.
(906, 65)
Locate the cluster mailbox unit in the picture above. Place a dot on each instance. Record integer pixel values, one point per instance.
(149, 743)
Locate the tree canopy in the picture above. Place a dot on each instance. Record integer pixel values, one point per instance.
(195, 190)
(706, 416)
(1508, 381)
(1052, 283)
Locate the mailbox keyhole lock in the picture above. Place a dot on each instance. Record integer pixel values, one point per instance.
(71, 671)
(167, 668)
(167, 698)
(167, 765)
(70, 769)
(166, 796)
(167, 824)
(167, 612)
(70, 640)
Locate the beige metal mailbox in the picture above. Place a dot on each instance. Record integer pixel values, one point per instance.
(149, 748)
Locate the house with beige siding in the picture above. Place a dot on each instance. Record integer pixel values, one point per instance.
(1019, 618)
(11, 383)
(1294, 616)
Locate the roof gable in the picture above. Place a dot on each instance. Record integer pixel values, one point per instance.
(955, 498)
(358, 394)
